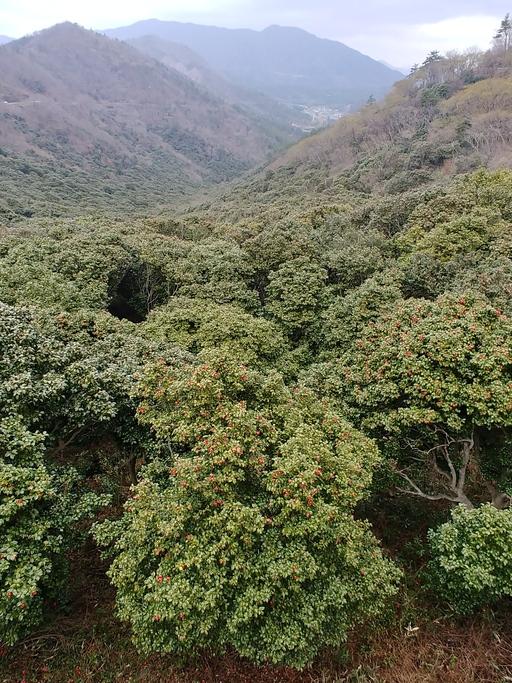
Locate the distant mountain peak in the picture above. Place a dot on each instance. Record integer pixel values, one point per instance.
(65, 27)
(285, 29)
(81, 102)
(286, 63)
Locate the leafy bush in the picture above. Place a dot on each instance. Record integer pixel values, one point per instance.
(39, 509)
(195, 324)
(445, 362)
(472, 558)
(246, 539)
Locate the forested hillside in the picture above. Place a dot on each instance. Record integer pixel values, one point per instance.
(88, 122)
(268, 437)
(287, 121)
(222, 371)
(451, 116)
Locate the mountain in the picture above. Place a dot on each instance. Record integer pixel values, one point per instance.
(4, 40)
(287, 121)
(181, 58)
(404, 70)
(288, 64)
(87, 118)
(450, 117)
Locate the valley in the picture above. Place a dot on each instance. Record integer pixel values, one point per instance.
(255, 359)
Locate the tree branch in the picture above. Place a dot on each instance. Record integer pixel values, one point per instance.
(421, 494)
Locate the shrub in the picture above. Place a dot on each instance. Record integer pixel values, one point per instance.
(194, 324)
(246, 540)
(472, 558)
(39, 510)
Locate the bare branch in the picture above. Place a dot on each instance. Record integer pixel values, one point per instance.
(451, 467)
(442, 472)
(63, 444)
(463, 470)
(452, 478)
(421, 494)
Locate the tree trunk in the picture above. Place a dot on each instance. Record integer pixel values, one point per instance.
(464, 500)
(132, 469)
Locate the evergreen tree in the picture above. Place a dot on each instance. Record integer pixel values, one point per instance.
(432, 57)
(504, 35)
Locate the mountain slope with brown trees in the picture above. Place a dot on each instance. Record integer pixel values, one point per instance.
(451, 116)
(287, 121)
(91, 117)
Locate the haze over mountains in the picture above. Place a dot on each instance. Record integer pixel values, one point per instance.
(288, 64)
(91, 121)
(290, 122)
(75, 102)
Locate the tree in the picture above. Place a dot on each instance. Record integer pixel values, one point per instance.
(196, 324)
(295, 296)
(469, 218)
(352, 255)
(471, 563)
(245, 537)
(434, 381)
(40, 507)
(503, 36)
(432, 69)
(67, 268)
(71, 377)
(347, 317)
(432, 58)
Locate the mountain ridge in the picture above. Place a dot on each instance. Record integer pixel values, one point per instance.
(80, 102)
(183, 59)
(450, 117)
(286, 63)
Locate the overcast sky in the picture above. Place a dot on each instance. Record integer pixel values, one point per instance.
(398, 31)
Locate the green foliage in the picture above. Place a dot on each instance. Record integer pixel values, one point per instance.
(349, 249)
(472, 558)
(295, 296)
(433, 95)
(347, 316)
(40, 507)
(196, 324)
(64, 269)
(70, 376)
(245, 538)
(163, 343)
(215, 270)
(467, 219)
(446, 362)
(64, 382)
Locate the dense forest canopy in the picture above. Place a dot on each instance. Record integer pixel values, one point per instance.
(244, 397)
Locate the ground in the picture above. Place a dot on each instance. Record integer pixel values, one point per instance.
(86, 644)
